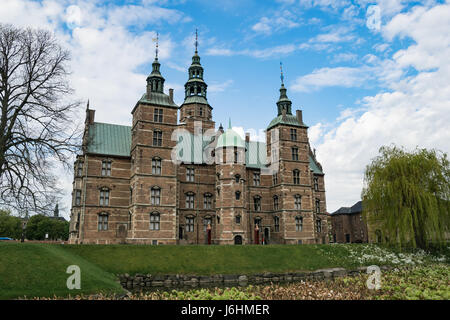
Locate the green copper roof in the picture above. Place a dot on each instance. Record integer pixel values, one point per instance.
(115, 140)
(313, 166)
(195, 99)
(230, 138)
(289, 119)
(109, 139)
(158, 98)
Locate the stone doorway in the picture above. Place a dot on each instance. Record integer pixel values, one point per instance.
(238, 240)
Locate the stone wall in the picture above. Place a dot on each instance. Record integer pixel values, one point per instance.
(149, 282)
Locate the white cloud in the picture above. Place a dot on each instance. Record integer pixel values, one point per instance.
(219, 87)
(281, 21)
(328, 77)
(414, 110)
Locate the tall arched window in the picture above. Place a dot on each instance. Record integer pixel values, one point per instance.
(154, 221)
(257, 203)
(276, 221)
(275, 203)
(207, 201)
(156, 196)
(104, 196)
(156, 166)
(296, 176)
(298, 223)
(298, 202)
(102, 221)
(190, 200)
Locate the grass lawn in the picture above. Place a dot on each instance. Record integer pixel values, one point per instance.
(34, 269)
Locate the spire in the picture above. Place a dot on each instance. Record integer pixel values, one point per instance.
(155, 81)
(283, 102)
(196, 41)
(87, 106)
(195, 87)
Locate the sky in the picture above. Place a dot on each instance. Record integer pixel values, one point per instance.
(365, 73)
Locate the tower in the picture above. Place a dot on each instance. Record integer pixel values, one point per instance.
(153, 173)
(291, 188)
(195, 106)
(230, 189)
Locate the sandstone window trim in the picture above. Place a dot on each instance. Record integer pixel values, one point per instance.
(237, 178)
(155, 194)
(190, 224)
(293, 134)
(190, 199)
(79, 171)
(256, 179)
(296, 176)
(276, 223)
(157, 138)
(237, 195)
(294, 153)
(275, 203)
(257, 203)
(316, 184)
(317, 205)
(158, 115)
(77, 197)
(106, 168)
(104, 196)
(190, 174)
(298, 223)
(319, 225)
(298, 202)
(207, 201)
(275, 178)
(102, 223)
(238, 219)
(156, 166)
(155, 220)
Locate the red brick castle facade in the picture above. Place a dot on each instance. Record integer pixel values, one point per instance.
(164, 181)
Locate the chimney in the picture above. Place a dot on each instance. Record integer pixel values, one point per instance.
(299, 116)
(247, 137)
(171, 94)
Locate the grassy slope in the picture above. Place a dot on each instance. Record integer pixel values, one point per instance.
(40, 270)
(204, 260)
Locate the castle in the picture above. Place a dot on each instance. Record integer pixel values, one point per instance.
(164, 181)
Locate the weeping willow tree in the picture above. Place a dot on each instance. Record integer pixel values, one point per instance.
(406, 196)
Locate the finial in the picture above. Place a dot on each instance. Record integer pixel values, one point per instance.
(196, 40)
(282, 77)
(229, 123)
(87, 106)
(157, 45)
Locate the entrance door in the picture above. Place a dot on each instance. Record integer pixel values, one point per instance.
(266, 235)
(180, 232)
(237, 240)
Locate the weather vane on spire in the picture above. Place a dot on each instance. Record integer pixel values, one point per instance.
(282, 76)
(196, 40)
(157, 44)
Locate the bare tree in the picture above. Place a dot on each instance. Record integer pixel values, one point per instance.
(37, 118)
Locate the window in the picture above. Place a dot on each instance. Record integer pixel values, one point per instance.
(317, 205)
(156, 166)
(189, 224)
(298, 202)
(238, 219)
(206, 221)
(207, 200)
(319, 225)
(156, 196)
(104, 197)
(190, 200)
(256, 179)
(158, 115)
(102, 222)
(190, 174)
(275, 178)
(238, 195)
(201, 112)
(106, 168)
(276, 221)
(130, 220)
(236, 156)
(258, 222)
(257, 202)
(316, 184)
(296, 175)
(157, 138)
(347, 238)
(77, 197)
(80, 168)
(154, 221)
(294, 134)
(298, 223)
(275, 203)
(237, 178)
(294, 153)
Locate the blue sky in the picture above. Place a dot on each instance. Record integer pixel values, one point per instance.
(365, 73)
